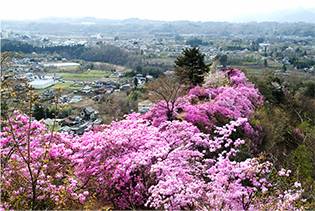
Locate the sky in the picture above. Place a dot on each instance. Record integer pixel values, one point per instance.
(170, 10)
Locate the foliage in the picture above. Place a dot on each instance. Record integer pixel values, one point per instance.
(149, 70)
(190, 66)
(310, 89)
(15, 93)
(36, 169)
(195, 42)
(116, 106)
(301, 62)
(287, 122)
(191, 162)
(101, 52)
(301, 159)
(41, 111)
(223, 59)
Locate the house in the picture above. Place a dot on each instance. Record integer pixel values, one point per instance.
(64, 99)
(89, 113)
(86, 89)
(117, 75)
(99, 84)
(75, 99)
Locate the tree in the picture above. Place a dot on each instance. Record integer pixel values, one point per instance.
(195, 42)
(265, 63)
(30, 154)
(254, 46)
(166, 90)
(135, 82)
(223, 60)
(310, 89)
(190, 66)
(114, 106)
(15, 93)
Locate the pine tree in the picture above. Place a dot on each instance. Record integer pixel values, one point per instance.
(190, 66)
(265, 63)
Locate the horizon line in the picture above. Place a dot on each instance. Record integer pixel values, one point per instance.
(48, 19)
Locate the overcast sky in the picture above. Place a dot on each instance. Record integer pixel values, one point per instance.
(194, 10)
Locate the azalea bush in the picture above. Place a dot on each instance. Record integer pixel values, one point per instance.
(206, 107)
(36, 168)
(147, 161)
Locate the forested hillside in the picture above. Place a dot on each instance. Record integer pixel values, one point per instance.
(203, 149)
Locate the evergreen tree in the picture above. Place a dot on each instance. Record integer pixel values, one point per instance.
(284, 68)
(265, 63)
(190, 66)
(135, 82)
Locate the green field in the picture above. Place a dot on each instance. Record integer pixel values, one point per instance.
(66, 86)
(86, 75)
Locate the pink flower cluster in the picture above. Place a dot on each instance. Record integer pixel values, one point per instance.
(36, 163)
(205, 107)
(145, 161)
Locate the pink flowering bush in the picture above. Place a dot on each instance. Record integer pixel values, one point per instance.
(136, 155)
(206, 107)
(146, 161)
(36, 166)
(134, 164)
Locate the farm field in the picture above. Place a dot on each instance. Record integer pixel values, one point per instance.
(85, 75)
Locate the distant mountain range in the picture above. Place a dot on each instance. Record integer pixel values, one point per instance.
(290, 16)
(296, 15)
(287, 23)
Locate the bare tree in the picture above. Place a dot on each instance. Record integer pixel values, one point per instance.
(166, 89)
